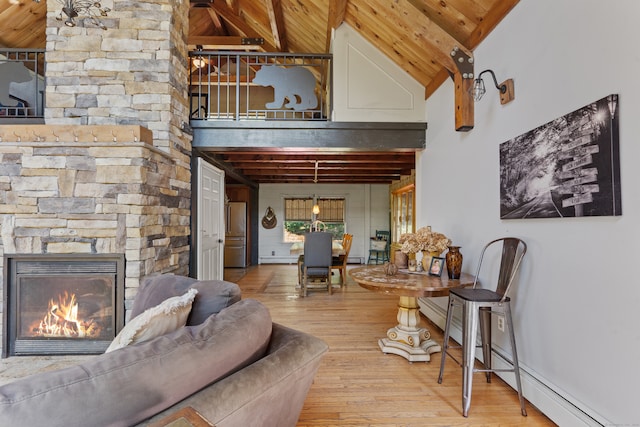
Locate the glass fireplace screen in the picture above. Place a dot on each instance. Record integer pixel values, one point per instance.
(62, 305)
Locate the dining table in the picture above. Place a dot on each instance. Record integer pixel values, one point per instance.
(408, 339)
(297, 248)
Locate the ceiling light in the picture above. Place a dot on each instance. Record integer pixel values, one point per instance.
(505, 88)
(199, 61)
(72, 9)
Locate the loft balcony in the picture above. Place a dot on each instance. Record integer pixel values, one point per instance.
(238, 101)
(259, 86)
(273, 101)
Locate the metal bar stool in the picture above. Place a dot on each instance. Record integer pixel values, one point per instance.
(477, 306)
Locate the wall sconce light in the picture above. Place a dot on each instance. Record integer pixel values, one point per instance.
(199, 61)
(91, 9)
(505, 88)
(316, 209)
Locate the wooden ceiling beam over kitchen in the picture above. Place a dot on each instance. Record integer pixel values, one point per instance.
(255, 167)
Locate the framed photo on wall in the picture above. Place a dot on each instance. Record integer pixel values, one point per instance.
(569, 167)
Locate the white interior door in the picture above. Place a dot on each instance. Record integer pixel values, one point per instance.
(210, 221)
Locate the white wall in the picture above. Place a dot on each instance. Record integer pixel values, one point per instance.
(358, 66)
(367, 209)
(576, 303)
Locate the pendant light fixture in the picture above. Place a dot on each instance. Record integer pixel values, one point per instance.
(72, 9)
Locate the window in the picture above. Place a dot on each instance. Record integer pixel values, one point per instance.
(332, 215)
(298, 216)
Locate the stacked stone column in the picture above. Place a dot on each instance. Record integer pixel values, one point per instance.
(110, 170)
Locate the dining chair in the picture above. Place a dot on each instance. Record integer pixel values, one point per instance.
(340, 262)
(379, 252)
(478, 304)
(316, 226)
(316, 266)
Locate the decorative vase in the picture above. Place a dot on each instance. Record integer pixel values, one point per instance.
(401, 259)
(454, 262)
(427, 256)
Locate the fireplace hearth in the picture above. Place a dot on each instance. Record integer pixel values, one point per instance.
(58, 304)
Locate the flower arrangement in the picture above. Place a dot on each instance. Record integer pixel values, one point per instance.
(424, 240)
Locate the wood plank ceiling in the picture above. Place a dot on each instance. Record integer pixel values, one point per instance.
(414, 34)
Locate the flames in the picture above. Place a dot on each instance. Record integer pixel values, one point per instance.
(61, 320)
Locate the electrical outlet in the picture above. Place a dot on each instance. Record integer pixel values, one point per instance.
(273, 253)
(501, 323)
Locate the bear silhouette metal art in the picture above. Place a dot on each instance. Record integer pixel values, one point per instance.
(11, 72)
(296, 84)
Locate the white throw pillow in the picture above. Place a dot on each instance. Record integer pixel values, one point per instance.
(168, 316)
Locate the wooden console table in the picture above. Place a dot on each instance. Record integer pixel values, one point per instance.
(406, 339)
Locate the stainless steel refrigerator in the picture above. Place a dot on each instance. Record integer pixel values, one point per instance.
(235, 244)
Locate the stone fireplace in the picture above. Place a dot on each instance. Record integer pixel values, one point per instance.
(62, 304)
(94, 190)
(110, 170)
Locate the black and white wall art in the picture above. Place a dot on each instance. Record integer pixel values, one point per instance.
(569, 167)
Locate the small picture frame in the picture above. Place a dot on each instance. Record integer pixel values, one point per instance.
(435, 269)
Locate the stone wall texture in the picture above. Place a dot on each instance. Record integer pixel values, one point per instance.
(95, 197)
(132, 73)
(109, 172)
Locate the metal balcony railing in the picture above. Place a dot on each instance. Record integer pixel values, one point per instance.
(223, 85)
(22, 84)
(259, 86)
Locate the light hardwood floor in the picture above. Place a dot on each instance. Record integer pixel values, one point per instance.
(358, 385)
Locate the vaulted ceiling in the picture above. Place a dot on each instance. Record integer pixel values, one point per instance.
(417, 35)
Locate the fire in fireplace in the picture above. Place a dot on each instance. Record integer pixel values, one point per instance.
(62, 304)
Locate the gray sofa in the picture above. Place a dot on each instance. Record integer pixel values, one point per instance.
(230, 363)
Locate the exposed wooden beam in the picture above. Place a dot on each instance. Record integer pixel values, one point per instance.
(217, 23)
(276, 20)
(233, 5)
(464, 104)
(310, 171)
(423, 30)
(337, 10)
(333, 180)
(230, 172)
(464, 112)
(235, 21)
(226, 42)
(346, 168)
(293, 161)
(263, 159)
(446, 50)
